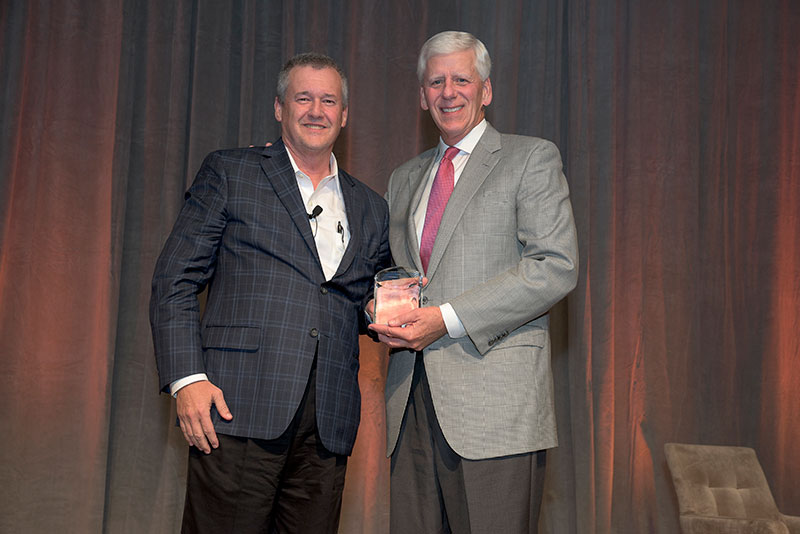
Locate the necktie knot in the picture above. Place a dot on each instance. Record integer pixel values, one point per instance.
(450, 153)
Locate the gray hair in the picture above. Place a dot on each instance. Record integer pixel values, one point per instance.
(449, 42)
(309, 59)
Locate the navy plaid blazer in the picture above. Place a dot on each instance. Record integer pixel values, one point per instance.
(244, 233)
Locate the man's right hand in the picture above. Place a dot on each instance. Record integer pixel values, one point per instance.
(194, 413)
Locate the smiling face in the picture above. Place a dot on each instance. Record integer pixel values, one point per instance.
(313, 112)
(454, 93)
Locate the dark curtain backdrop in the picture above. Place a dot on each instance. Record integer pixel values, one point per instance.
(679, 126)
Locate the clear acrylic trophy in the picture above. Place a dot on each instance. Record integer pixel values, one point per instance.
(397, 290)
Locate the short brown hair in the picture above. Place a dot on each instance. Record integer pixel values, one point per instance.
(309, 59)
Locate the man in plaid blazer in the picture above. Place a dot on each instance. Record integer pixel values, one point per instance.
(266, 380)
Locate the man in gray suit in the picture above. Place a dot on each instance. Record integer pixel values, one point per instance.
(469, 392)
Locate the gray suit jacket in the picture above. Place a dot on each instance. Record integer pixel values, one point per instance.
(505, 253)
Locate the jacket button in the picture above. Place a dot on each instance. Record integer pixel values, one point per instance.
(424, 300)
(313, 332)
(323, 290)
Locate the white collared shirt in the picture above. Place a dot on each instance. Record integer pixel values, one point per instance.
(330, 229)
(465, 147)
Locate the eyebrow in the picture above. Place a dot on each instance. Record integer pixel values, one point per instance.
(308, 93)
(453, 75)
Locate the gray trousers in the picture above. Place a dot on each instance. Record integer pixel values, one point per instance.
(434, 490)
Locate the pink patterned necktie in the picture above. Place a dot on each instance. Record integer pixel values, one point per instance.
(440, 193)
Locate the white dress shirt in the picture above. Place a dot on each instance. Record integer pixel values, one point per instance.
(330, 229)
(454, 326)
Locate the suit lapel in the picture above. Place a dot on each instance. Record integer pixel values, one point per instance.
(354, 211)
(280, 173)
(481, 162)
(417, 181)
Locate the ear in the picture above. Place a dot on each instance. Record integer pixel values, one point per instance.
(278, 110)
(344, 117)
(487, 92)
(423, 103)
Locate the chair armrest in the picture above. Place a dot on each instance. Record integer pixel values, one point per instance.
(793, 522)
(697, 524)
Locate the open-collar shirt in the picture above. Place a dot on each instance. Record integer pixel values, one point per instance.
(330, 229)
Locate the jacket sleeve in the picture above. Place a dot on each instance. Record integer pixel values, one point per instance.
(384, 260)
(183, 270)
(547, 269)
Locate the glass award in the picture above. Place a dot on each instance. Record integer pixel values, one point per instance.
(397, 290)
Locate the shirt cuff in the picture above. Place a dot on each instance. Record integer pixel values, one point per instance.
(451, 321)
(185, 381)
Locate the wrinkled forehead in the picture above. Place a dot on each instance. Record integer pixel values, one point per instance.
(462, 62)
(311, 79)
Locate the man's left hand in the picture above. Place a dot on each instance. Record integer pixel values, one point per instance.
(413, 330)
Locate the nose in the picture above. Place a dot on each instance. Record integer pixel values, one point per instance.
(316, 108)
(449, 90)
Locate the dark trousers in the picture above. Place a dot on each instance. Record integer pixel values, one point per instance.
(287, 485)
(434, 490)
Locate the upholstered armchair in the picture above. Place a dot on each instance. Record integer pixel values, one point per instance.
(723, 490)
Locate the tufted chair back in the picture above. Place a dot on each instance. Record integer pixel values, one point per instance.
(723, 489)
